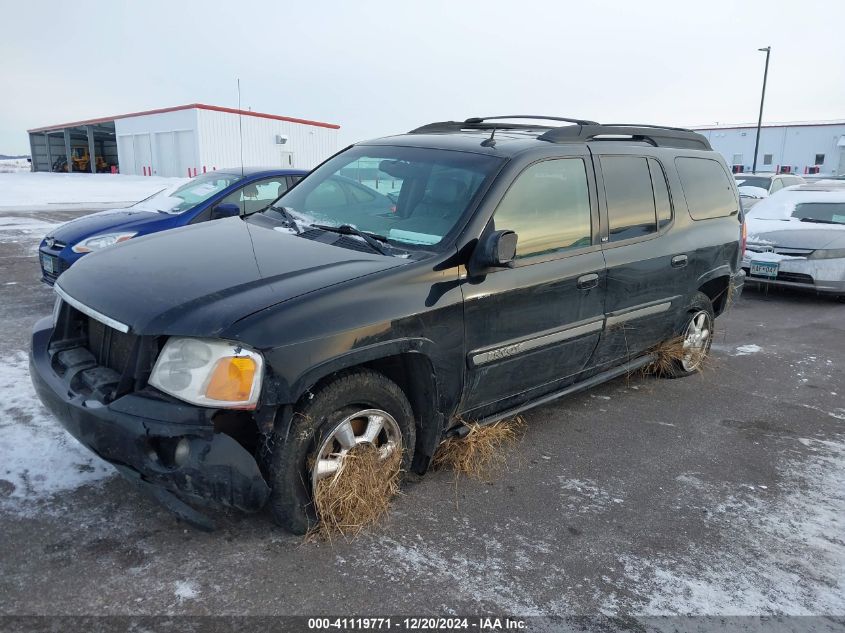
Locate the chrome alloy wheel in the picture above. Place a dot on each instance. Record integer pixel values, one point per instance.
(696, 340)
(370, 426)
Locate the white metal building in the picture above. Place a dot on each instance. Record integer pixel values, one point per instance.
(802, 147)
(182, 141)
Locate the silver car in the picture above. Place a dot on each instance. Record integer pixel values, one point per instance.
(756, 187)
(796, 238)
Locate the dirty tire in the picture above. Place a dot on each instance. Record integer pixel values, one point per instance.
(700, 302)
(290, 499)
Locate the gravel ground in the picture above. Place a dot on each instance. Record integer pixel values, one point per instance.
(719, 494)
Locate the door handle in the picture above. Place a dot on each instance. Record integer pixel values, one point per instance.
(585, 282)
(679, 261)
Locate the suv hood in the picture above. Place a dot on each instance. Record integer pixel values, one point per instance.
(104, 222)
(200, 279)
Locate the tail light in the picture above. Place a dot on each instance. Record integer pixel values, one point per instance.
(743, 238)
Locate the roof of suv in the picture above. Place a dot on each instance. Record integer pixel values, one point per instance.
(495, 135)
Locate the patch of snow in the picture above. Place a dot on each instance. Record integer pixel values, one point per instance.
(585, 496)
(753, 192)
(38, 189)
(185, 590)
(780, 554)
(488, 579)
(14, 165)
(838, 414)
(769, 257)
(744, 350)
(38, 457)
(24, 224)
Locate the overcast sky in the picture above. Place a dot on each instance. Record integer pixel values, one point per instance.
(378, 68)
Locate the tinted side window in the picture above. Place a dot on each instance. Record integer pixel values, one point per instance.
(706, 188)
(777, 185)
(548, 206)
(661, 193)
(630, 198)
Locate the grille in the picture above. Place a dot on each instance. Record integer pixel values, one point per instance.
(111, 348)
(799, 278)
(796, 278)
(59, 266)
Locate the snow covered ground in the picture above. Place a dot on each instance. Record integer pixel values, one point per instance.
(14, 165)
(39, 458)
(39, 190)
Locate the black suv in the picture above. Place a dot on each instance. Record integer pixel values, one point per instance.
(236, 362)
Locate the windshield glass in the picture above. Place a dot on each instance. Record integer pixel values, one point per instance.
(190, 194)
(409, 195)
(753, 181)
(753, 186)
(825, 212)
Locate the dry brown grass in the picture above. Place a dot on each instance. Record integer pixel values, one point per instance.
(668, 355)
(481, 453)
(358, 495)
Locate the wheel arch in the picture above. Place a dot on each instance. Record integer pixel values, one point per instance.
(407, 364)
(716, 285)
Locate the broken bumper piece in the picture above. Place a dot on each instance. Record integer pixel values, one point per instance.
(168, 448)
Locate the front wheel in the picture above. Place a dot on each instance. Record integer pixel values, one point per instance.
(695, 337)
(362, 408)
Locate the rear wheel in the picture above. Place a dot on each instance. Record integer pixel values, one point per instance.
(357, 409)
(696, 337)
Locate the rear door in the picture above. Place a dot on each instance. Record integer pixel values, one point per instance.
(532, 328)
(648, 273)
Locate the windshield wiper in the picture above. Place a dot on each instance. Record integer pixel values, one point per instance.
(820, 221)
(288, 217)
(372, 239)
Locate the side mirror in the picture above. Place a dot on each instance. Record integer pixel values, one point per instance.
(494, 250)
(228, 210)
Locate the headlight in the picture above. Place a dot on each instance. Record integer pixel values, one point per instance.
(209, 372)
(101, 241)
(827, 253)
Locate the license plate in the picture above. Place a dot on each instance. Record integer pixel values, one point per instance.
(764, 269)
(47, 263)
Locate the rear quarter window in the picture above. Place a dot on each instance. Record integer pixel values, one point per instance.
(707, 188)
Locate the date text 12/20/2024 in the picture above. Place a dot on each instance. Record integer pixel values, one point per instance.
(417, 624)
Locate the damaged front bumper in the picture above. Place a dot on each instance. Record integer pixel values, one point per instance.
(168, 448)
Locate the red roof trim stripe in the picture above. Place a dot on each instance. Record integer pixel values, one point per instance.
(191, 106)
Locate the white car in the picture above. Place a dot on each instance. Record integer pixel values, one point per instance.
(796, 238)
(756, 187)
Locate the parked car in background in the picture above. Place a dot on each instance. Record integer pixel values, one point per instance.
(210, 196)
(796, 238)
(239, 362)
(755, 187)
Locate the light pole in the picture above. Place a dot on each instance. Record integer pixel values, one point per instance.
(768, 50)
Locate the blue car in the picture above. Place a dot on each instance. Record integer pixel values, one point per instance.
(210, 196)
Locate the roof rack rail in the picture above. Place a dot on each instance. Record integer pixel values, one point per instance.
(479, 123)
(480, 119)
(580, 130)
(656, 135)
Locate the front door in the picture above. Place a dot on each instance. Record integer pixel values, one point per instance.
(532, 328)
